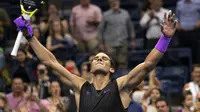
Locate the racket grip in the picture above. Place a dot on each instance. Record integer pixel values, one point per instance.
(17, 43)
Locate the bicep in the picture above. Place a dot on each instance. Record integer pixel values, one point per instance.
(134, 77)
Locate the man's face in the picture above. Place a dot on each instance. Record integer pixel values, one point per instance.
(17, 85)
(21, 56)
(114, 4)
(41, 70)
(162, 106)
(196, 75)
(84, 2)
(101, 63)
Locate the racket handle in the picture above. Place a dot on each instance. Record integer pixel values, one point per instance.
(17, 43)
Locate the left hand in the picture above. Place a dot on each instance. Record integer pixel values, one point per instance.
(169, 25)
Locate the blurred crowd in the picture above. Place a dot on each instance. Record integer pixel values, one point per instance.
(26, 85)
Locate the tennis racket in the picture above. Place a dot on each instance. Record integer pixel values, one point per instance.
(28, 9)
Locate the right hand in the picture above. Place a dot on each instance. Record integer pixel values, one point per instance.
(23, 26)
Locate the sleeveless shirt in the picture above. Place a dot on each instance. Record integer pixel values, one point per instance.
(105, 100)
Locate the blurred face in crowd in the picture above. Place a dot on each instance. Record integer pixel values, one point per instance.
(196, 75)
(36, 32)
(17, 85)
(55, 89)
(2, 103)
(162, 106)
(41, 70)
(21, 56)
(31, 92)
(52, 9)
(85, 3)
(101, 64)
(56, 26)
(155, 94)
(188, 100)
(70, 65)
(114, 4)
(155, 4)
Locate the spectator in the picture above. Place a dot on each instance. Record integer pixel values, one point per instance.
(115, 33)
(3, 103)
(29, 104)
(38, 35)
(162, 105)
(60, 43)
(155, 94)
(151, 21)
(71, 67)
(85, 72)
(187, 102)
(197, 105)
(53, 14)
(188, 15)
(84, 22)
(55, 103)
(4, 27)
(17, 95)
(194, 85)
(43, 81)
(23, 65)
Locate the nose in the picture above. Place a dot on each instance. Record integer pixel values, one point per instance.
(99, 59)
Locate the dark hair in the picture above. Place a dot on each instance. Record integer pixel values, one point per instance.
(17, 78)
(195, 66)
(22, 50)
(188, 92)
(161, 94)
(112, 63)
(162, 99)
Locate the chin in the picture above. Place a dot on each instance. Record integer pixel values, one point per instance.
(100, 71)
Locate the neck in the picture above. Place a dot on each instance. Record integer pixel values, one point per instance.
(19, 94)
(101, 81)
(85, 6)
(186, 109)
(57, 33)
(116, 10)
(55, 97)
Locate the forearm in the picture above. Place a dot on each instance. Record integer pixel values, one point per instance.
(138, 74)
(42, 53)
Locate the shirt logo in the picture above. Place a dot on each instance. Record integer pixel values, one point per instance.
(106, 91)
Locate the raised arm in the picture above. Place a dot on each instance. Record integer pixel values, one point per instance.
(135, 76)
(48, 58)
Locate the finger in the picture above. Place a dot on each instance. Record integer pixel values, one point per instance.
(165, 16)
(175, 24)
(172, 18)
(169, 14)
